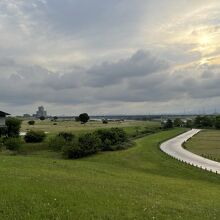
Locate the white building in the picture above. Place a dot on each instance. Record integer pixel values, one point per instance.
(2, 118)
(41, 112)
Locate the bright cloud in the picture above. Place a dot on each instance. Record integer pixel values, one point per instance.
(109, 56)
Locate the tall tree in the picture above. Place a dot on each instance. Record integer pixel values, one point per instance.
(84, 118)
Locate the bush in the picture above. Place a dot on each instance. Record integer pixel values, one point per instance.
(56, 143)
(168, 124)
(42, 118)
(13, 127)
(3, 131)
(105, 121)
(71, 150)
(87, 144)
(13, 143)
(67, 136)
(34, 136)
(111, 137)
(31, 122)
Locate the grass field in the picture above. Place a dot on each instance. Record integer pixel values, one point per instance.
(206, 143)
(77, 128)
(138, 183)
(132, 128)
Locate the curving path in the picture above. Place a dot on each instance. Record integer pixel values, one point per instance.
(173, 147)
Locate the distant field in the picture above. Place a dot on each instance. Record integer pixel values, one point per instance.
(130, 127)
(206, 143)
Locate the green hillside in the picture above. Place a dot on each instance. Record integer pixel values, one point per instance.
(138, 183)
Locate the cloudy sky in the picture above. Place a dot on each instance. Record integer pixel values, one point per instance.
(110, 56)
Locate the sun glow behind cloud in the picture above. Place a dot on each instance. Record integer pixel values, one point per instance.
(90, 48)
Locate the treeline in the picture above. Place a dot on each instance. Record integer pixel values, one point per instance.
(198, 122)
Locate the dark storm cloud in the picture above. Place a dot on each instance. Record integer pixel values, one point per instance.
(142, 63)
(141, 78)
(42, 41)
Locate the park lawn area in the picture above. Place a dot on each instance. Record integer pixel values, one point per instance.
(131, 127)
(206, 144)
(138, 183)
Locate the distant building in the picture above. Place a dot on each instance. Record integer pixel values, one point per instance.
(2, 118)
(41, 112)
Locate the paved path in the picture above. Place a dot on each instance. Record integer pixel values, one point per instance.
(174, 148)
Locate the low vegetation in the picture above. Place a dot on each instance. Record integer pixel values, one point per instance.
(205, 144)
(13, 143)
(34, 136)
(138, 183)
(89, 143)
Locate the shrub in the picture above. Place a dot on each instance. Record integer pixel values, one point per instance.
(13, 127)
(71, 150)
(168, 124)
(34, 136)
(13, 143)
(110, 137)
(105, 121)
(56, 143)
(67, 136)
(3, 131)
(42, 118)
(87, 144)
(31, 122)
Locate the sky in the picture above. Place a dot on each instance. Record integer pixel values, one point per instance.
(110, 56)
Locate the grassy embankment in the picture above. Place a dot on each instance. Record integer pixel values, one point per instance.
(206, 144)
(138, 183)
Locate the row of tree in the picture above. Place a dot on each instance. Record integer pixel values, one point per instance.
(197, 122)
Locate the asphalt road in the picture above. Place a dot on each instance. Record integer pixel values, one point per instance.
(173, 147)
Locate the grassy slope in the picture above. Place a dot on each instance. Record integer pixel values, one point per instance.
(139, 183)
(207, 142)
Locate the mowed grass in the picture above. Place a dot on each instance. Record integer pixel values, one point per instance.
(52, 127)
(206, 143)
(138, 183)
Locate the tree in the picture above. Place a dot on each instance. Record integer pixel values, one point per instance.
(189, 124)
(13, 127)
(178, 122)
(217, 122)
(203, 122)
(42, 118)
(168, 124)
(55, 118)
(84, 118)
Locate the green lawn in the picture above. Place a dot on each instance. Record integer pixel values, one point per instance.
(206, 143)
(130, 127)
(138, 183)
